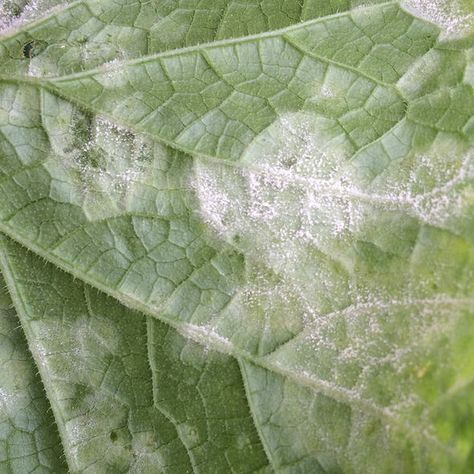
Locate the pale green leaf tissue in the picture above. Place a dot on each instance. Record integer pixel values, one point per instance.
(237, 236)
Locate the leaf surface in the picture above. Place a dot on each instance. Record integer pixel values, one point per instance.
(130, 394)
(288, 189)
(29, 440)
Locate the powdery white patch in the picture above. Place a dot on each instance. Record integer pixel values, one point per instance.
(357, 348)
(432, 188)
(13, 15)
(118, 171)
(327, 91)
(302, 193)
(114, 74)
(365, 324)
(450, 15)
(283, 204)
(291, 204)
(272, 309)
(294, 201)
(106, 182)
(147, 455)
(267, 296)
(11, 402)
(97, 414)
(100, 172)
(286, 185)
(206, 336)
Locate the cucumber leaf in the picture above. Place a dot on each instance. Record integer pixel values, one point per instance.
(258, 219)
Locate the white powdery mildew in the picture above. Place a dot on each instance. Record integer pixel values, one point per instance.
(11, 16)
(100, 172)
(118, 171)
(207, 337)
(280, 193)
(295, 194)
(433, 188)
(447, 14)
(114, 73)
(374, 348)
(10, 402)
(365, 325)
(11, 20)
(280, 204)
(291, 204)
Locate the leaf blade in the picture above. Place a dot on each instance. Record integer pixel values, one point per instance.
(94, 363)
(29, 438)
(318, 233)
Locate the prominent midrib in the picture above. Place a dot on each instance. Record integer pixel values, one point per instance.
(45, 16)
(329, 188)
(217, 344)
(20, 307)
(165, 413)
(214, 44)
(52, 83)
(364, 308)
(44, 84)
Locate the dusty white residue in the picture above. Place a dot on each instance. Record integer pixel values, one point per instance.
(10, 19)
(283, 204)
(96, 165)
(107, 165)
(449, 15)
(13, 16)
(34, 70)
(278, 195)
(206, 336)
(375, 348)
(114, 74)
(326, 91)
(294, 198)
(433, 187)
(296, 205)
(366, 327)
(117, 171)
(8, 402)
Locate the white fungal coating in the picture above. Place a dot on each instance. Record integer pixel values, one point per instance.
(295, 205)
(302, 192)
(453, 18)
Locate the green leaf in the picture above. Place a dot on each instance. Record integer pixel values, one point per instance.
(278, 199)
(29, 441)
(127, 392)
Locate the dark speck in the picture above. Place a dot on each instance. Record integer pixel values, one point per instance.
(33, 48)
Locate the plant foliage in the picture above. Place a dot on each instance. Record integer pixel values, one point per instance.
(237, 236)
